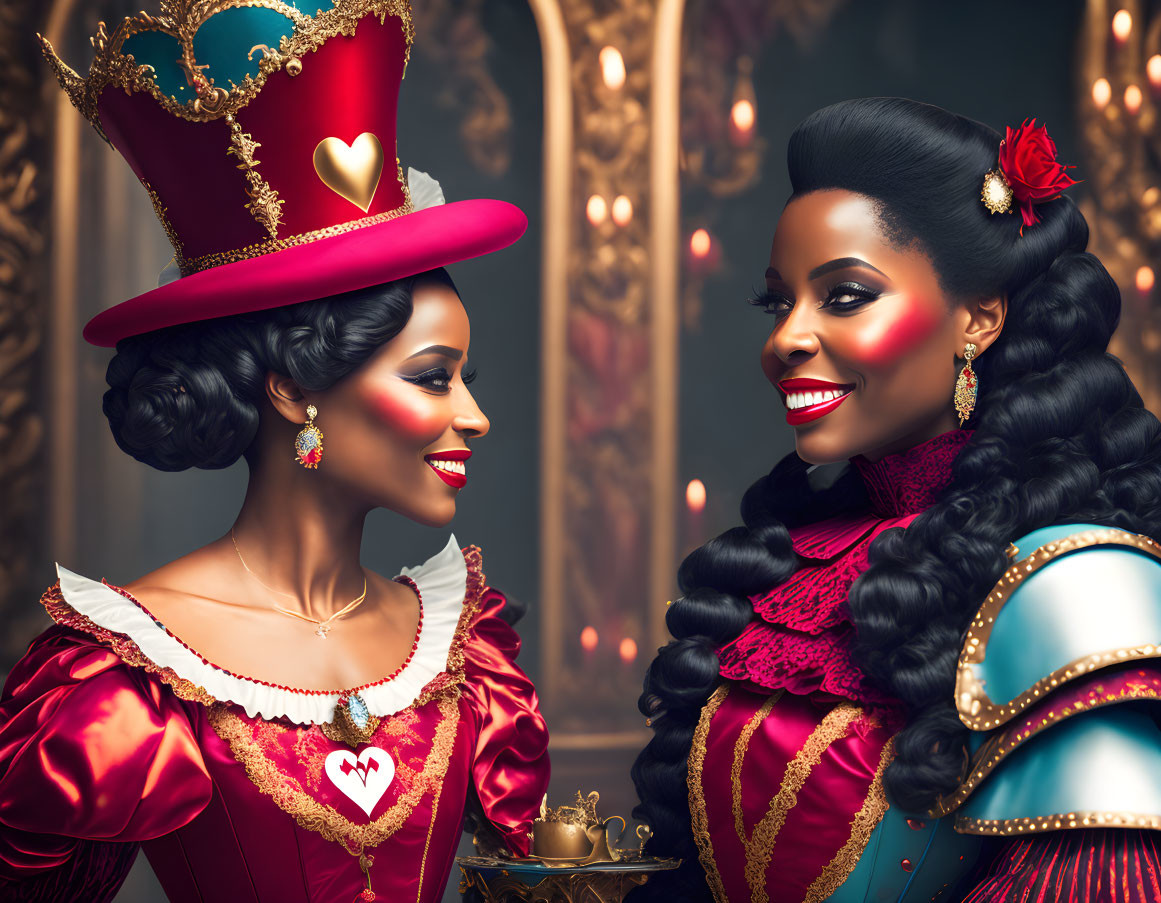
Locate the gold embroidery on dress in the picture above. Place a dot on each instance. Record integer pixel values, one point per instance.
(739, 755)
(834, 727)
(181, 20)
(128, 651)
(699, 820)
(264, 204)
(427, 842)
(319, 817)
(976, 709)
(862, 826)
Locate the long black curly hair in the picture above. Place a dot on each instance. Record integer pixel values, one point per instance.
(190, 395)
(1060, 436)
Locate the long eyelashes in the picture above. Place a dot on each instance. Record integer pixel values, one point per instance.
(438, 379)
(842, 298)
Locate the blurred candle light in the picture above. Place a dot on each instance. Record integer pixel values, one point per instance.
(1102, 93)
(1145, 280)
(596, 210)
(694, 508)
(628, 650)
(744, 105)
(622, 210)
(612, 67)
(742, 115)
(1133, 99)
(1153, 70)
(699, 244)
(1122, 25)
(695, 496)
(589, 639)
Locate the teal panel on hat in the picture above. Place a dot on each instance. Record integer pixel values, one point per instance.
(310, 7)
(1103, 761)
(161, 51)
(224, 41)
(1094, 599)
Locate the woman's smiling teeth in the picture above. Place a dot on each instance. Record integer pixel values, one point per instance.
(795, 400)
(449, 466)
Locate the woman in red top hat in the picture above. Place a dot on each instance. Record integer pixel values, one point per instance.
(265, 717)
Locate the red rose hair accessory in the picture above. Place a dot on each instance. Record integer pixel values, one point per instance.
(1027, 172)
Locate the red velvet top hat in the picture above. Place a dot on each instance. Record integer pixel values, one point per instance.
(265, 136)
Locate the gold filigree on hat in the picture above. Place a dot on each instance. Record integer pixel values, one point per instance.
(996, 193)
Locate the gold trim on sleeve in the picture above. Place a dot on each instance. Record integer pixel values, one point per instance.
(699, 821)
(976, 709)
(862, 826)
(833, 727)
(1004, 742)
(739, 755)
(1059, 822)
(128, 651)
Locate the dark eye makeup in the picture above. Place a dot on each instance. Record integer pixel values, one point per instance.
(844, 297)
(438, 379)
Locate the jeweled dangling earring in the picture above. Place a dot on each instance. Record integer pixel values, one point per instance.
(965, 386)
(308, 444)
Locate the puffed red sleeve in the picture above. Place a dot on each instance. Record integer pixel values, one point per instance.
(510, 768)
(1082, 866)
(94, 755)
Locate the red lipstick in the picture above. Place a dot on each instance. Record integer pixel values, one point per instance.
(450, 467)
(809, 412)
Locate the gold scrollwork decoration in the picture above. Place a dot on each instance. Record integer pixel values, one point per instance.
(181, 19)
(264, 203)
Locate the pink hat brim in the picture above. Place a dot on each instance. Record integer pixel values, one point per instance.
(409, 244)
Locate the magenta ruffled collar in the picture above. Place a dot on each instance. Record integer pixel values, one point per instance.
(801, 637)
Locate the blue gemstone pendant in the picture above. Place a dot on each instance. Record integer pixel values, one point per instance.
(353, 722)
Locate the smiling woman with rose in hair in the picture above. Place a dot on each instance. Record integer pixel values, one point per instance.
(931, 672)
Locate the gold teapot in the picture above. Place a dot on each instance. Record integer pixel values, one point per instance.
(575, 833)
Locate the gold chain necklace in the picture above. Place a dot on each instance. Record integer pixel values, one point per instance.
(323, 627)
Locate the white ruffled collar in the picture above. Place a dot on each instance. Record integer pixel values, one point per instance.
(442, 582)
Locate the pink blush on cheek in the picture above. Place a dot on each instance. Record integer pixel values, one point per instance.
(884, 336)
(404, 407)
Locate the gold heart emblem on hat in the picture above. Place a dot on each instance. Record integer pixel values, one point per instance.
(351, 170)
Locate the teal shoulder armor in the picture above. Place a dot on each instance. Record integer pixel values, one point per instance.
(1078, 598)
(1101, 768)
(1059, 680)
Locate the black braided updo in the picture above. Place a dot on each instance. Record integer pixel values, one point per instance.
(189, 395)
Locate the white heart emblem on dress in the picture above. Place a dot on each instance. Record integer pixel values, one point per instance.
(364, 779)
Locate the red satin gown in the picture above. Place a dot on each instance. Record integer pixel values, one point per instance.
(115, 735)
